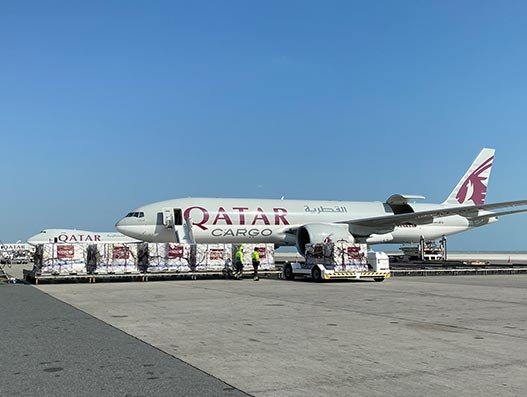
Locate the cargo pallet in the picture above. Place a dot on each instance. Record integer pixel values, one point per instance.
(37, 278)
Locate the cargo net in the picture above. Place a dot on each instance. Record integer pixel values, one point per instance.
(341, 256)
(164, 257)
(113, 258)
(60, 259)
(16, 253)
(266, 252)
(211, 257)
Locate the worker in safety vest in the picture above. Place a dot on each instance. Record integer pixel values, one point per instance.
(238, 263)
(255, 256)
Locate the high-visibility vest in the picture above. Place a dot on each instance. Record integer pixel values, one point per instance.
(239, 255)
(255, 256)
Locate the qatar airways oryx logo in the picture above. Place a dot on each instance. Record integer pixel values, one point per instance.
(201, 216)
(474, 188)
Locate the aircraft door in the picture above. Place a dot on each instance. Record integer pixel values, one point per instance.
(178, 217)
(178, 221)
(168, 218)
(172, 217)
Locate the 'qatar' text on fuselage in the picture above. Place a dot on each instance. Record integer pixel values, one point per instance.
(200, 216)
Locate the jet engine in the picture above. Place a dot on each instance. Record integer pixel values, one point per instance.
(321, 232)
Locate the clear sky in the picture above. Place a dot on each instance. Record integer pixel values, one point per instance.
(108, 105)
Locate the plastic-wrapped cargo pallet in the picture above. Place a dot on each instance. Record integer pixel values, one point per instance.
(165, 257)
(342, 255)
(113, 258)
(61, 258)
(266, 252)
(211, 257)
(351, 257)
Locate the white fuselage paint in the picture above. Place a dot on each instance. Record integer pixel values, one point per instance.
(10, 248)
(73, 236)
(216, 220)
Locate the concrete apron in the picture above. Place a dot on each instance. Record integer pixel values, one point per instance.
(419, 336)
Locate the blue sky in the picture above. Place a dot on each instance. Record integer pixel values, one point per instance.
(105, 106)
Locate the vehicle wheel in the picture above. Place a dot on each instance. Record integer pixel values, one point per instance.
(378, 279)
(288, 272)
(316, 273)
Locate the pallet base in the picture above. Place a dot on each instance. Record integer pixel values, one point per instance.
(36, 278)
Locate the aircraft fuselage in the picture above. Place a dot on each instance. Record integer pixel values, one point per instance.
(270, 221)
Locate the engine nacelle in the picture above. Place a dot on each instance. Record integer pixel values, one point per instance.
(321, 232)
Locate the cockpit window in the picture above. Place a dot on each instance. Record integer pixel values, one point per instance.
(135, 215)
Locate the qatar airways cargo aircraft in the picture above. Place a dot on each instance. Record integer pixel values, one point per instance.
(298, 222)
(72, 236)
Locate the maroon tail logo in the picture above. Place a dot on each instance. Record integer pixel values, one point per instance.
(477, 182)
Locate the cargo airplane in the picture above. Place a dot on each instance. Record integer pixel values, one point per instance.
(400, 219)
(72, 236)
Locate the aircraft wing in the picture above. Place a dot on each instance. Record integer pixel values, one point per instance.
(496, 214)
(423, 217)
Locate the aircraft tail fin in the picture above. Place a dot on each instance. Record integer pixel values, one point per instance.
(472, 188)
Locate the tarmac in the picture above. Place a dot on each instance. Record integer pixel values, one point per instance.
(433, 336)
(49, 348)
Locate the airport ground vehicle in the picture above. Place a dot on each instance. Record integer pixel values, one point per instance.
(339, 261)
(426, 251)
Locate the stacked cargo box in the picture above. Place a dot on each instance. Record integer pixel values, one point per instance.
(211, 257)
(125, 258)
(60, 259)
(343, 256)
(111, 258)
(266, 252)
(164, 257)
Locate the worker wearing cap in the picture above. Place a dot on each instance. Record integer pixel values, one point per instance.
(238, 263)
(255, 256)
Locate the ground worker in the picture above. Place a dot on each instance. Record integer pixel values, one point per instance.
(255, 256)
(238, 263)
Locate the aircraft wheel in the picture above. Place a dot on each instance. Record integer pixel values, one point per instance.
(316, 273)
(288, 272)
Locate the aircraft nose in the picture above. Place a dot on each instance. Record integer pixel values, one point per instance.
(136, 224)
(133, 225)
(119, 225)
(126, 227)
